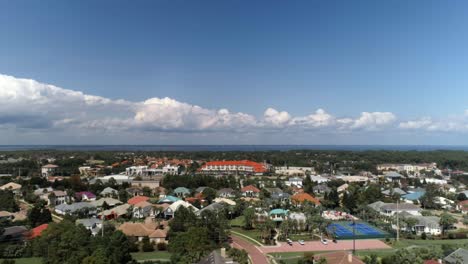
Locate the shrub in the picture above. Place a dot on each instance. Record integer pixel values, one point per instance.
(147, 245)
(161, 246)
(424, 236)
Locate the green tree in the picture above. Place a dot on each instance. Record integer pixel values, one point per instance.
(446, 220)
(7, 201)
(249, 218)
(189, 247)
(147, 246)
(39, 214)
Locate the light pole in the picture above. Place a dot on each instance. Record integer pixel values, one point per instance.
(354, 236)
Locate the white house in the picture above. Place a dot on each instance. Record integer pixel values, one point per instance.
(318, 179)
(294, 181)
(169, 169)
(48, 170)
(390, 209)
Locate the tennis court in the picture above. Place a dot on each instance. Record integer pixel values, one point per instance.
(361, 230)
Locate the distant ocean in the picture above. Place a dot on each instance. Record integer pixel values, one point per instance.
(230, 147)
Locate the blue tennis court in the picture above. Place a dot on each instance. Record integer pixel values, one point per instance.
(362, 230)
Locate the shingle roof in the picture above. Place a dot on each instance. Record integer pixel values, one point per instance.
(250, 188)
(302, 197)
(137, 199)
(257, 167)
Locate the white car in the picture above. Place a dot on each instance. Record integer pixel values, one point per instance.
(324, 241)
(301, 242)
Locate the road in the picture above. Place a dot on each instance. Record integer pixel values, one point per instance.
(255, 254)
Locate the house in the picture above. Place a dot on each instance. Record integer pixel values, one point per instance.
(424, 224)
(135, 191)
(168, 199)
(108, 191)
(390, 209)
(156, 233)
(76, 208)
(13, 233)
(444, 202)
(234, 167)
(181, 192)
(137, 199)
(5, 215)
(37, 231)
(299, 217)
(200, 189)
(171, 210)
(342, 188)
(85, 196)
(224, 200)
(13, 187)
(339, 257)
(278, 215)
(143, 209)
(55, 198)
(287, 170)
(276, 194)
(48, 170)
(301, 198)
(462, 206)
(319, 179)
(294, 181)
(116, 212)
(393, 176)
(321, 189)
(109, 201)
(214, 207)
(226, 193)
(92, 224)
(458, 256)
(250, 191)
(217, 258)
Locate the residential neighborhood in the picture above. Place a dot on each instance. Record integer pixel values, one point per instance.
(279, 212)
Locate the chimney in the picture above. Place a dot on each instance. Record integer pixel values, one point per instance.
(350, 257)
(223, 252)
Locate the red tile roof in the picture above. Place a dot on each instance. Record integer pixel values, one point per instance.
(257, 167)
(37, 231)
(431, 261)
(137, 199)
(302, 197)
(250, 188)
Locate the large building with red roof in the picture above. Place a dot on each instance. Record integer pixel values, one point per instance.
(234, 167)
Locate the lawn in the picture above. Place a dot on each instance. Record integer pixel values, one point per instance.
(253, 234)
(409, 242)
(156, 255)
(28, 260)
(237, 222)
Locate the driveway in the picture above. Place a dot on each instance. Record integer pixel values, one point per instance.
(318, 246)
(255, 254)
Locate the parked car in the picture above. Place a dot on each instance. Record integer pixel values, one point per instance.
(324, 241)
(289, 241)
(301, 242)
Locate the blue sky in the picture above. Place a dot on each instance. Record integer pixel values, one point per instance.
(403, 62)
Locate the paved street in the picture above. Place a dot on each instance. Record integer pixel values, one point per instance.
(255, 254)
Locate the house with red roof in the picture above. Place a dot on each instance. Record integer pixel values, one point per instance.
(301, 198)
(234, 167)
(137, 199)
(37, 231)
(250, 191)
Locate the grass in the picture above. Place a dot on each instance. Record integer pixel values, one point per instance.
(156, 255)
(305, 237)
(409, 242)
(252, 234)
(237, 222)
(28, 260)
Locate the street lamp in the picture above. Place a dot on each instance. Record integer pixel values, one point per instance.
(354, 236)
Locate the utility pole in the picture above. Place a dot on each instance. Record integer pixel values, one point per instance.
(397, 221)
(354, 236)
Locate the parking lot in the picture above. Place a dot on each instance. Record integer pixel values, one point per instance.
(319, 246)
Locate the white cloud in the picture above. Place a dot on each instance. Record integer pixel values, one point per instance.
(374, 120)
(276, 118)
(28, 104)
(416, 124)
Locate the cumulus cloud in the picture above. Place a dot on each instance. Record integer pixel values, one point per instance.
(28, 104)
(416, 124)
